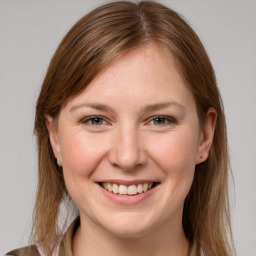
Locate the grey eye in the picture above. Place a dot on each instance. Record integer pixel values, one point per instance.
(96, 121)
(93, 120)
(161, 120)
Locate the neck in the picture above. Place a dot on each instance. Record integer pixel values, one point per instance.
(90, 239)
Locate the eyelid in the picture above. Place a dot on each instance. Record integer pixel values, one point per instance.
(85, 120)
(170, 120)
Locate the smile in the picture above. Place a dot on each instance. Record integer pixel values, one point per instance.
(127, 190)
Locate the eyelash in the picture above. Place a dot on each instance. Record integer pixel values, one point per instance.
(90, 119)
(167, 120)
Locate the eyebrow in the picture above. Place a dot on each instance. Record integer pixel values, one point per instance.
(148, 108)
(97, 106)
(158, 106)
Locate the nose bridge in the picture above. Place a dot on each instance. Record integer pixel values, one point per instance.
(127, 151)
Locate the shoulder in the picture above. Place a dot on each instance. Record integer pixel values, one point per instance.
(64, 247)
(25, 251)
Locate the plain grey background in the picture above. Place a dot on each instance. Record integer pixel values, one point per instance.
(29, 34)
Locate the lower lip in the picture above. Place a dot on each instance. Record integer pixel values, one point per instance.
(126, 199)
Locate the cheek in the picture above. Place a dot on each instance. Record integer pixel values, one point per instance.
(176, 151)
(176, 156)
(80, 153)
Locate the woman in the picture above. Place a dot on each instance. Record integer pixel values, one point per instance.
(130, 127)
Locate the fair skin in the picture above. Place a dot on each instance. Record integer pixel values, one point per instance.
(135, 123)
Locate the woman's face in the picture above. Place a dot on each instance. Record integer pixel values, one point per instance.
(135, 126)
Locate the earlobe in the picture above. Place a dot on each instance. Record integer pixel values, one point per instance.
(52, 131)
(206, 136)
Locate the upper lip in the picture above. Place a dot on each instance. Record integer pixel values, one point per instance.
(127, 182)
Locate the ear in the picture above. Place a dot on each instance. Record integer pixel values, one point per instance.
(52, 131)
(206, 136)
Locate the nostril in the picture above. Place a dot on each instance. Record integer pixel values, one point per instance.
(127, 155)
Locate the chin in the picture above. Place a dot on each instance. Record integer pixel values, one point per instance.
(129, 227)
(129, 233)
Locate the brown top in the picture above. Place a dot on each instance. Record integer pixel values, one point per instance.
(65, 248)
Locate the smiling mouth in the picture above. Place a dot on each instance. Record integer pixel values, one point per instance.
(128, 190)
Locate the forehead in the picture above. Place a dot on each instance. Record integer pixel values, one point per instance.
(144, 74)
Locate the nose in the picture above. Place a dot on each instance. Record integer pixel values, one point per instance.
(127, 151)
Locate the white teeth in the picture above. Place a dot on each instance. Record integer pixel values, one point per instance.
(123, 189)
(109, 187)
(127, 190)
(132, 190)
(140, 188)
(145, 187)
(115, 188)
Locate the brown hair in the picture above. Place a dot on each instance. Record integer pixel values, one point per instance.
(94, 42)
